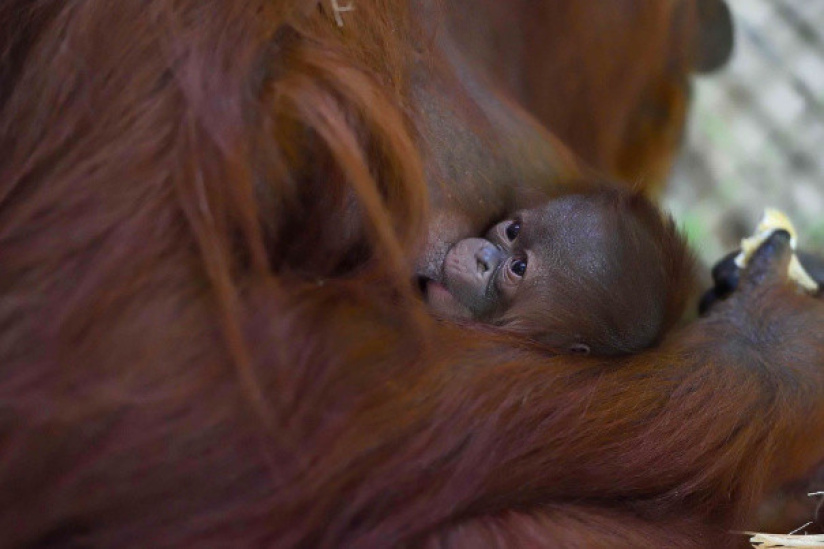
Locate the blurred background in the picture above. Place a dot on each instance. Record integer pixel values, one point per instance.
(756, 133)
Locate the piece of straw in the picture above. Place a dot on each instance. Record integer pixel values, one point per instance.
(778, 540)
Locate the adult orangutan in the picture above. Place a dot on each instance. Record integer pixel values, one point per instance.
(207, 332)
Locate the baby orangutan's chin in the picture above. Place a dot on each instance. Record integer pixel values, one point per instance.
(443, 303)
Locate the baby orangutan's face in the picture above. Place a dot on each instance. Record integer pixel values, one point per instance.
(482, 275)
(521, 259)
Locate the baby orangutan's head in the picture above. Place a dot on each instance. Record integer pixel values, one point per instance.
(610, 254)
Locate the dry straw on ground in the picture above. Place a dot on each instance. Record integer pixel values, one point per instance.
(777, 540)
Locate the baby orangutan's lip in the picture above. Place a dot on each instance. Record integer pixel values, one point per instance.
(443, 303)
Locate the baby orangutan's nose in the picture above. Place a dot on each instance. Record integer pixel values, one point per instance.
(487, 257)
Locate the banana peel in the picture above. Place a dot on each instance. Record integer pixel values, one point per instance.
(774, 220)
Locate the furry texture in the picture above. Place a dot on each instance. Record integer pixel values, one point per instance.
(207, 332)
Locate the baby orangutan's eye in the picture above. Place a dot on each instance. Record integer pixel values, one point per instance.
(512, 230)
(518, 267)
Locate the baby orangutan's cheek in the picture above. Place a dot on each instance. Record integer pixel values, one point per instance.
(444, 303)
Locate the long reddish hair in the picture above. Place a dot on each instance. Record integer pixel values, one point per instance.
(208, 335)
(182, 187)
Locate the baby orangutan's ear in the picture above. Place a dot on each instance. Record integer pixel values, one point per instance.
(579, 349)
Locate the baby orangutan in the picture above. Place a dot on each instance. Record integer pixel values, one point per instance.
(605, 273)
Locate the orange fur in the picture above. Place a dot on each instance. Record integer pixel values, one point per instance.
(207, 334)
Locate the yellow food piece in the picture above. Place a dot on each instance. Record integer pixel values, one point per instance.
(772, 221)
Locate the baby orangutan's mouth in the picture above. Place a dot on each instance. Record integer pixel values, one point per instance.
(441, 301)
